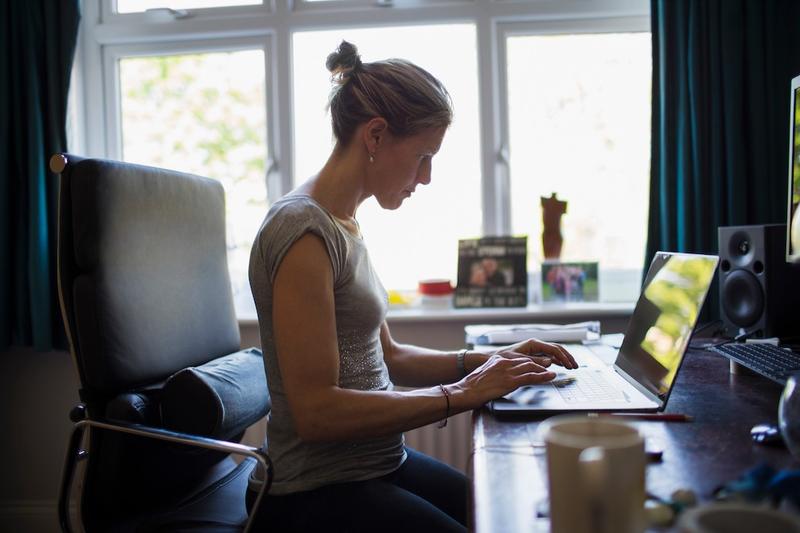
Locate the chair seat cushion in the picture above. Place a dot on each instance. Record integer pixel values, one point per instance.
(219, 399)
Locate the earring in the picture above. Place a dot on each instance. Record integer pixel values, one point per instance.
(371, 158)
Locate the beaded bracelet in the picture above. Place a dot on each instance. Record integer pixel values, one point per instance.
(443, 423)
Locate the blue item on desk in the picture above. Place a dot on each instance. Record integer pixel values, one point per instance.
(763, 483)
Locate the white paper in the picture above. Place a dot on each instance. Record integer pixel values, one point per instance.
(511, 333)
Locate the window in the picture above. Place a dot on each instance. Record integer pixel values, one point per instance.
(236, 90)
(579, 121)
(391, 235)
(203, 113)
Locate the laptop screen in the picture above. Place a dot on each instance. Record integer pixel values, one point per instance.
(661, 326)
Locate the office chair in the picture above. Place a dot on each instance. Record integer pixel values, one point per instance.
(166, 392)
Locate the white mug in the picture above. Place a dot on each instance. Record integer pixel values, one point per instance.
(737, 518)
(596, 478)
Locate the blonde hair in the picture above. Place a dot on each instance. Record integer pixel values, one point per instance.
(408, 97)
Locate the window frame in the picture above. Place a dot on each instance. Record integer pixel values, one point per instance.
(529, 28)
(106, 35)
(108, 12)
(343, 5)
(112, 55)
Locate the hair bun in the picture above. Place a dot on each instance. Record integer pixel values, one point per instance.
(344, 60)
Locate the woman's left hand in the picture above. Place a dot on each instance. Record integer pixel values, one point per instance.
(542, 353)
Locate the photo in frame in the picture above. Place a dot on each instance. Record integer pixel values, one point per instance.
(570, 281)
(492, 272)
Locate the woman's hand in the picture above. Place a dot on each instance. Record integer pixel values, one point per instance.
(498, 376)
(509, 368)
(542, 353)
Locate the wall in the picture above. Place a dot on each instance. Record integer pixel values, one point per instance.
(38, 391)
(40, 388)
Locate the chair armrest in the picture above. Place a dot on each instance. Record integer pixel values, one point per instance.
(158, 434)
(180, 438)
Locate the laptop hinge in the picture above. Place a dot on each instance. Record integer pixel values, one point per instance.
(650, 395)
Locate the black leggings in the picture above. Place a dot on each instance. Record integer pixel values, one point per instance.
(422, 495)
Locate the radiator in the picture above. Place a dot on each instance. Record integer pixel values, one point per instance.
(450, 444)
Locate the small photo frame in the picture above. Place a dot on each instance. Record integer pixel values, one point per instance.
(492, 272)
(570, 282)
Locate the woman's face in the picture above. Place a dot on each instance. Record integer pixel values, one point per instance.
(402, 163)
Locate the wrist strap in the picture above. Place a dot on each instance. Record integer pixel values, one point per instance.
(460, 363)
(443, 423)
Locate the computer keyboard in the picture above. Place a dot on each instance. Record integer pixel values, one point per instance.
(586, 385)
(768, 360)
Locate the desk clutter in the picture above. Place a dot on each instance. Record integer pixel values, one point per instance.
(713, 474)
(594, 473)
(596, 482)
(761, 499)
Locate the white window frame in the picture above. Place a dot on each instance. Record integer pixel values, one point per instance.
(342, 5)
(108, 12)
(106, 35)
(504, 30)
(112, 54)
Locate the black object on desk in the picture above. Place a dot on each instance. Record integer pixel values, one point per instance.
(767, 434)
(772, 362)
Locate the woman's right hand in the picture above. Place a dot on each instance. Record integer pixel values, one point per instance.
(500, 375)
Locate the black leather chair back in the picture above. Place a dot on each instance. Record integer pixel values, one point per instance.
(144, 275)
(145, 292)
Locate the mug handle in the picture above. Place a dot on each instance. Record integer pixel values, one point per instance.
(593, 468)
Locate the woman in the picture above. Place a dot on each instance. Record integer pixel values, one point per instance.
(335, 431)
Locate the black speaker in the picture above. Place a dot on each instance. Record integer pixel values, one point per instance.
(759, 291)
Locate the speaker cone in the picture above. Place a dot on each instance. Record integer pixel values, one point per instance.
(742, 298)
(740, 248)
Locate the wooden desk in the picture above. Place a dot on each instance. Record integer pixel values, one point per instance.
(509, 476)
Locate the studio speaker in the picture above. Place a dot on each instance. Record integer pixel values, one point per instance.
(759, 291)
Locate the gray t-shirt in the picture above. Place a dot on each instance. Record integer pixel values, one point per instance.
(360, 306)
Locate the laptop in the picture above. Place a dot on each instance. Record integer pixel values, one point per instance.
(647, 362)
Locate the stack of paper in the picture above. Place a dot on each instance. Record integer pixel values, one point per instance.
(511, 333)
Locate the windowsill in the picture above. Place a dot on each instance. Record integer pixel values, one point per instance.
(619, 290)
(532, 311)
(552, 311)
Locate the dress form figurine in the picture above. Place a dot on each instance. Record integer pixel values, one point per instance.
(552, 209)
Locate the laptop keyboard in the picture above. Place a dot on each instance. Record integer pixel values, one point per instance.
(586, 385)
(768, 360)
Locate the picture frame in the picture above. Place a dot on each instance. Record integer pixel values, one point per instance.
(492, 272)
(570, 281)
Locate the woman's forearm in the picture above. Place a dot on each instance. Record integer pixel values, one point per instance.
(414, 366)
(333, 413)
(336, 414)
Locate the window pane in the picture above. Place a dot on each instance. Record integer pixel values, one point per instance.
(419, 240)
(579, 119)
(204, 114)
(137, 6)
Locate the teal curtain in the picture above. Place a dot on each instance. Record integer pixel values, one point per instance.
(37, 44)
(720, 123)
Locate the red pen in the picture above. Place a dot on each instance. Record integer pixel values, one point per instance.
(662, 417)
